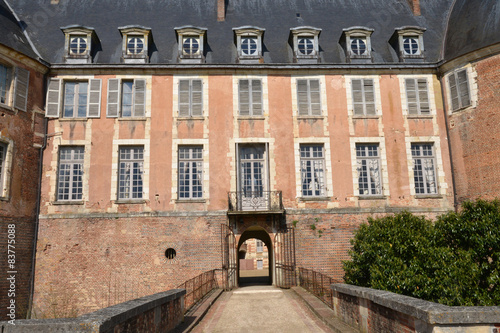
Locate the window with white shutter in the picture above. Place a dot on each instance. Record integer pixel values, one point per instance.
(363, 97)
(14, 80)
(459, 90)
(250, 97)
(308, 97)
(190, 98)
(417, 97)
(76, 99)
(94, 108)
(21, 89)
(53, 98)
(126, 98)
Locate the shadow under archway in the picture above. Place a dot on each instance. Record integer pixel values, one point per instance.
(261, 234)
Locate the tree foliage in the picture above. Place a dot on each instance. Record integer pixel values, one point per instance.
(454, 261)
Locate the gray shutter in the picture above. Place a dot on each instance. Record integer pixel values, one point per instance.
(315, 97)
(302, 97)
(196, 98)
(139, 98)
(455, 105)
(423, 96)
(411, 96)
(184, 98)
(21, 89)
(257, 97)
(369, 96)
(244, 97)
(53, 98)
(463, 88)
(94, 102)
(113, 108)
(357, 96)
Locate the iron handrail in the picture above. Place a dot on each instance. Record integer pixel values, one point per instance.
(198, 287)
(255, 201)
(318, 284)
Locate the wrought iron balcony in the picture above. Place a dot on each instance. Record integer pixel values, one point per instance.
(255, 201)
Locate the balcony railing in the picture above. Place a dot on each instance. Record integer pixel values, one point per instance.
(255, 201)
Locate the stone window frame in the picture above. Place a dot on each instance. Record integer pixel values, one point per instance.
(259, 246)
(16, 86)
(189, 31)
(324, 190)
(322, 102)
(357, 32)
(114, 105)
(415, 33)
(350, 99)
(305, 32)
(441, 184)
(236, 97)
(199, 173)
(429, 187)
(384, 173)
(120, 194)
(471, 77)
(90, 38)
(204, 97)
(249, 32)
(54, 107)
(6, 167)
(135, 31)
(430, 94)
(253, 110)
(58, 199)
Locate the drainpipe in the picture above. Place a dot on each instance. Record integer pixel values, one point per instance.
(454, 187)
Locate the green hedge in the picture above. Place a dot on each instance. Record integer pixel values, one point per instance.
(454, 261)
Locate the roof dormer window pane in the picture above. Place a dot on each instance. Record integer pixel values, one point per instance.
(135, 45)
(249, 46)
(410, 45)
(78, 45)
(305, 45)
(358, 46)
(191, 46)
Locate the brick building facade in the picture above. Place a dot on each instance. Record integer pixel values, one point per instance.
(161, 132)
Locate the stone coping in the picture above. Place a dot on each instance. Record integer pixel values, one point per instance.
(103, 320)
(430, 312)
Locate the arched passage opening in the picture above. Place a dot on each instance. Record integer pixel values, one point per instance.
(258, 234)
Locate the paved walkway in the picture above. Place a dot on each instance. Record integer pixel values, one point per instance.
(260, 309)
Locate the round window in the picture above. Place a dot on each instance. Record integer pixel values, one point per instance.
(78, 45)
(191, 46)
(410, 45)
(358, 46)
(135, 45)
(305, 46)
(249, 46)
(170, 253)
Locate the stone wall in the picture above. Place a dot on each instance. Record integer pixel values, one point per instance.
(372, 310)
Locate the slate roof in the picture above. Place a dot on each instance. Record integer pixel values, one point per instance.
(43, 22)
(11, 34)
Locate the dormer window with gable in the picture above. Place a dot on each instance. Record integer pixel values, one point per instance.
(136, 40)
(409, 43)
(78, 45)
(191, 42)
(357, 44)
(305, 44)
(249, 43)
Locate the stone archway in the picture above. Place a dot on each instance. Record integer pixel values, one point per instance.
(260, 234)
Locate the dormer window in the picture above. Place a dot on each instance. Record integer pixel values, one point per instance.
(191, 42)
(409, 43)
(136, 40)
(78, 44)
(305, 44)
(249, 43)
(357, 44)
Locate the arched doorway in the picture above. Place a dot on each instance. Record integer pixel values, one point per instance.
(253, 236)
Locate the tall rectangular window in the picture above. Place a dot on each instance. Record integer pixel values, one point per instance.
(250, 97)
(3, 157)
(260, 264)
(309, 97)
(190, 172)
(459, 89)
(424, 168)
(75, 99)
(126, 98)
(190, 98)
(368, 166)
(417, 97)
(70, 176)
(4, 84)
(312, 163)
(260, 245)
(363, 97)
(130, 171)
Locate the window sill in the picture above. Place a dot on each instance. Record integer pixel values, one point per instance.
(310, 117)
(372, 197)
(420, 116)
(132, 118)
(365, 116)
(190, 201)
(304, 199)
(7, 107)
(64, 203)
(132, 201)
(428, 196)
(73, 119)
(4, 198)
(251, 118)
(462, 109)
(191, 118)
